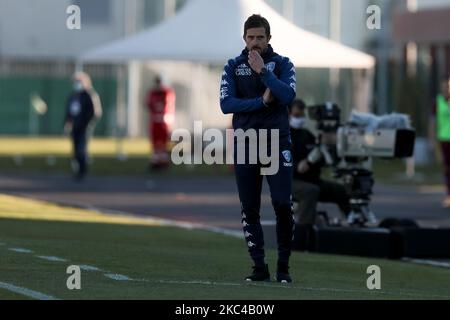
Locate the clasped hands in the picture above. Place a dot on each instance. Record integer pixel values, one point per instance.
(256, 62)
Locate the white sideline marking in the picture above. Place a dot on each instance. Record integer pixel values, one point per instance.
(268, 223)
(20, 250)
(428, 262)
(26, 292)
(290, 287)
(52, 258)
(86, 267)
(254, 284)
(118, 277)
(206, 283)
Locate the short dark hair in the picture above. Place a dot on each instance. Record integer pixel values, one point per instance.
(257, 21)
(298, 103)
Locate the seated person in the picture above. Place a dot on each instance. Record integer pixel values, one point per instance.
(308, 188)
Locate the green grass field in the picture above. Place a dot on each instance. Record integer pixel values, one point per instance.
(163, 262)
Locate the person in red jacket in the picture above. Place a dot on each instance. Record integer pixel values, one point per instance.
(161, 107)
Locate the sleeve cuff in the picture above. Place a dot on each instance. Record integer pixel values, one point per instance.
(262, 103)
(267, 76)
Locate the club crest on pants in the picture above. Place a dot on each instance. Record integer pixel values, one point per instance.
(288, 158)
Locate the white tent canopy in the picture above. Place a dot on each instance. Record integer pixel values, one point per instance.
(211, 31)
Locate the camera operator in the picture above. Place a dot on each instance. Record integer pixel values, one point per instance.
(308, 188)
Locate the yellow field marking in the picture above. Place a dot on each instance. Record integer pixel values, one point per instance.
(24, 146)
(21, 208)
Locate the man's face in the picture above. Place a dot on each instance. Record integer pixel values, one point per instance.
(296, 112)
(446, 87)
(158, 83)
(256, 39)
(77, 85)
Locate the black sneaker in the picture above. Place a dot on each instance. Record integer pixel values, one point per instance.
(283, 274)
(259, 274)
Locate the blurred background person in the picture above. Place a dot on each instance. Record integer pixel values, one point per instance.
(308, 188)
(440, 131)
(83, 111)
(161, 107)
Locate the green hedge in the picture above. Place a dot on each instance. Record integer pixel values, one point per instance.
(15, 93)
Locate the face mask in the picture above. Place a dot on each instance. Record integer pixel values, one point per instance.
(77, 86)
(296, 122)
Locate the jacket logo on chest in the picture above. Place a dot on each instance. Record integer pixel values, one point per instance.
(243, 70)
(270, 66)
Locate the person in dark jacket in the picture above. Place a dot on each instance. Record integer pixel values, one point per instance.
(257, 87)
(308, 187)
(82, 111)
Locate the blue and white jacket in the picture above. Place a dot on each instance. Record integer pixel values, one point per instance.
(242, 90)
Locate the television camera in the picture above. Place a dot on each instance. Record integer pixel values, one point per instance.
(349, 149)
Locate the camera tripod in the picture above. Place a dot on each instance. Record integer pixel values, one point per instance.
(358, 183)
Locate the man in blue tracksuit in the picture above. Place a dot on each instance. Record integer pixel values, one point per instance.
(83, 110)
(257, 87)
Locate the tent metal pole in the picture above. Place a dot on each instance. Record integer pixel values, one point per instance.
(120, 112)
(134, 86)
(335, 35)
